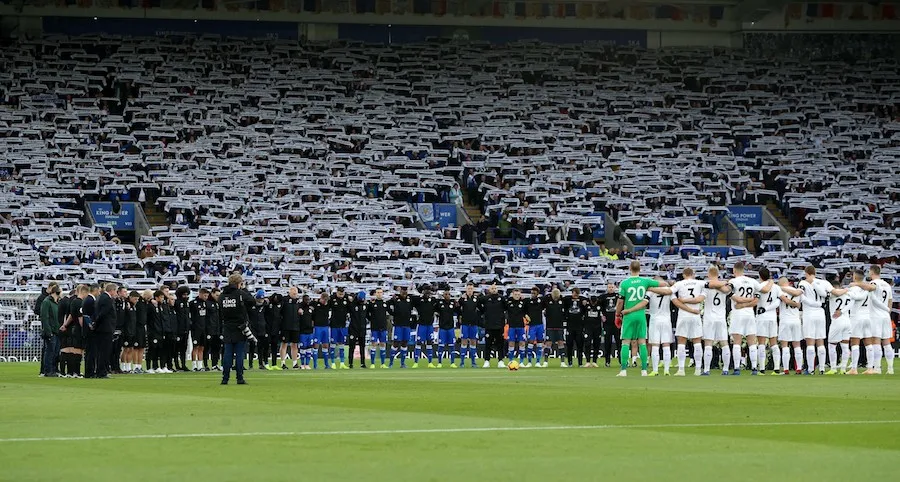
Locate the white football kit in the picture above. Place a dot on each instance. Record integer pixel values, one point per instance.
(660, 319)
(840, 326)
(689, 325)
(743, 321)
(814, 295)
(767, 320)
(860, 313)
(715, 326)
(881, 310)
(789, 329)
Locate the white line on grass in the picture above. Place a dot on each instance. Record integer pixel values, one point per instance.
(442, 430)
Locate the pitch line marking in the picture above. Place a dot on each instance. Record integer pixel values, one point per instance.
(440, 430)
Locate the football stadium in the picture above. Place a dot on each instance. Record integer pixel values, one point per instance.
(434, 239)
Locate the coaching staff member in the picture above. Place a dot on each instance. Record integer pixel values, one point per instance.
(236, 303)
(103, 327)
(494, 308)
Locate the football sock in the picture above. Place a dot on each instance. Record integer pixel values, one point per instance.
(403, 352)
(845, 355)
(761, 357)
(753, 349)
(698, 356)
(681, 355)
(314, 356)
(645, 359)
(521, 356)
(440, 358)
(798, 358)
(707, 358)
(736, 357)
(382, 354)
(786, 358)
(667, 357)
(417, 353)
(530, 352)
(811, 358)
(372, 355)
(870, 356)
(625, 356)
(832, 355)
(429, 351)
(654, 358)
(854, 356)
(889, 356)
(876, 356)
(538, 354)
(510, 354)
(776, 358)
(394, 353)
(341, 353)
(820, 350)
(726, 357)
(453, 356)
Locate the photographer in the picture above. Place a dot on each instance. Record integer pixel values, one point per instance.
(236, 302)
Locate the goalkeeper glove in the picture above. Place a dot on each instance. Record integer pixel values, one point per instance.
(619, 321)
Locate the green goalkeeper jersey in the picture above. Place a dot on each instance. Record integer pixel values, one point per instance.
(634, 289)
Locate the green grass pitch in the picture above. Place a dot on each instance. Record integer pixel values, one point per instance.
(461, 425)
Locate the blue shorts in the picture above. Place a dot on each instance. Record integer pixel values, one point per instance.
(447, 337)
(536, 333)
(306, 341)
(424, 334)
(339, 336)
(322, 334)
(516, 334)
(379, 336)
(469, 332)
(401, 333)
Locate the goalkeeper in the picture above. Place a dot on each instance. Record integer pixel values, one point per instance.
(236, 303)
(630, 309)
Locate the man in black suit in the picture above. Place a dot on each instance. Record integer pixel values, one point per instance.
(104, 326)
(89, 313)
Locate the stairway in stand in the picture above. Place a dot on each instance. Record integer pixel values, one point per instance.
(154, 216)
(474, 213)
(773, 208)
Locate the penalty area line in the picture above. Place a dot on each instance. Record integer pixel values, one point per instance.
(440, 430)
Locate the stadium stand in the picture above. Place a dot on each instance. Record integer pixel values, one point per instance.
(296, 164)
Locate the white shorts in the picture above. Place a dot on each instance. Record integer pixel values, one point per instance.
(767, 325)
(860, 328)
(689, 326)
(660, 331)
(814, 325)
(789, 330)
(743, 322)
(882, 328)
(839, 330)
(715, 330)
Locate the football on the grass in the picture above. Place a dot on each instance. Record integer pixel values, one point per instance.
(513, 366)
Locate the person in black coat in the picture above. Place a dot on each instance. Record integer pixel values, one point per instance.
(103, 327)
(290, 327)
(155, 332)
(258, 326)
(89, 312)
(493, 306)
(169, 326)
(213, 332)
(116, 358)
(137, 339)
(273, 327)
(576, 308)
(182, 326)
(199, 321)
(236, 303)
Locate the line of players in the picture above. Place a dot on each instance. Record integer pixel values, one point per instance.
(293, 328)
(771, 316)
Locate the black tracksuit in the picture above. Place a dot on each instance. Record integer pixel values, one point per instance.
(182, 328)
(169, 325)
(610, 330)
(469, 312)
(199, 321)
(593, 331)
(356, 332)
(494, 309)
(213, 334)
(273, 327)
(290, 320)
(258, 327)
(426, 306)
(575, 312)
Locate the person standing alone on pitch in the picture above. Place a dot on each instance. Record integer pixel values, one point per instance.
(631, 304)
(236, 302)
